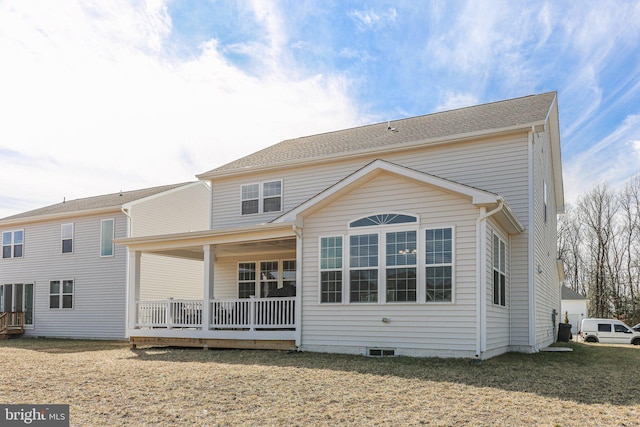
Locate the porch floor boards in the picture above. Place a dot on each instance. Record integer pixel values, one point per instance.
(207, 343)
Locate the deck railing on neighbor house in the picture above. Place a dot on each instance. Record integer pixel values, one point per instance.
(241, 313)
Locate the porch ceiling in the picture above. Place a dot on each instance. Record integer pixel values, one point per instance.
(271, 247)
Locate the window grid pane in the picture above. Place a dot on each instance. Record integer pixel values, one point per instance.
(331, 286)
(439, 283)
(330, 252)
(439, 246)
(364, 251)
(246, 279)
(273, 188)
(271, 204)
(364, 285)
(401, 285)
(402, 248)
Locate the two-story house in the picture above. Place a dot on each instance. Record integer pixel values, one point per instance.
(426, 236)
(61, 274)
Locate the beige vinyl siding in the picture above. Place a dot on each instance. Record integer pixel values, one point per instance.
(175, 211)
(547, 285)
(498, 330)
(413, 329)
(99, 282)
(178, 210)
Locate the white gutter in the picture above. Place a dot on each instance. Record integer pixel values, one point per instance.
(531, 244)
(481, 277)
(129, 220)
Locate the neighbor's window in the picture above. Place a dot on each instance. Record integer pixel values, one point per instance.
(67, 238)
(331, 269)
(439, 264)
(363, 268)
(61, 294)
(499, 271)
(402, 250)
(12, 244)
(106, 237)
(261, 198)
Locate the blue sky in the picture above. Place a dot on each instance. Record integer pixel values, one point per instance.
(98, 97)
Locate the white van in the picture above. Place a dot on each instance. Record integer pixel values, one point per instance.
(609, 331)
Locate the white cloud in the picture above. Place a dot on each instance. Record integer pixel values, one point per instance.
(93, 103)
(370, 19)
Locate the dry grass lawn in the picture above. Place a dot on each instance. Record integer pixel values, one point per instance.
(106, 384)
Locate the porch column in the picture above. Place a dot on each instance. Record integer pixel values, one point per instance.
(209, 261)
(133, 289)
(298, 308)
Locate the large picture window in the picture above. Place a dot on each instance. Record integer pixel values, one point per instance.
(499, 271)
(439, 264)
(261, 198)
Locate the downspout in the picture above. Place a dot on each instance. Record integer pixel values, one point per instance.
(128, 267)
(129, 221)
(531, 244)
(481, 276)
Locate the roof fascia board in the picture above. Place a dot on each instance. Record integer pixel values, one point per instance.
(379, 150)
(61, 215)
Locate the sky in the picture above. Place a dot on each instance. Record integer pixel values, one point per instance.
(102, 96)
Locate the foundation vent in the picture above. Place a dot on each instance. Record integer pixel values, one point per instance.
(382, 352)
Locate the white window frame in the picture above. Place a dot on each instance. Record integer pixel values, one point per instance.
(12, 244)
(63, 237)
(102, 242)
(61, 294)
(499, 266)
(258, 273)
(261, 196)
(340, 269)
(424, 264)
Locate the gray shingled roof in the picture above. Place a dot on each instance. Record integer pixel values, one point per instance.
(568, 293)
(114, 200)
(496, 115)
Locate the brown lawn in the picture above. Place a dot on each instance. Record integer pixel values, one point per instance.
(107, 384)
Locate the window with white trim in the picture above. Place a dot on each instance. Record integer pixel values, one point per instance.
(67, 238)
(363, 268)
(106, 237)
(439, 264)
(261, 198)
(401, 280)
(331, 269)
(499, 271)
(61, 294)
(12, 244)
(266, 279)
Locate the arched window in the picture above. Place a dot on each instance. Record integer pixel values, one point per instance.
(384, 219)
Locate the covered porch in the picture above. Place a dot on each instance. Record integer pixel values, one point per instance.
(244, 294)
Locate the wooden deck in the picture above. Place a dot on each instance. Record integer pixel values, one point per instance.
(207, 343)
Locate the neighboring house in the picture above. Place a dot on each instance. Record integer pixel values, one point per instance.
(60, 267)
(426, 236)
(575, 306)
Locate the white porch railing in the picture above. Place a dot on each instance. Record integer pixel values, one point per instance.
(242, 313)
(253, 313)
(170, 314)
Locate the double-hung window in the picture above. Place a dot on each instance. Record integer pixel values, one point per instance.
(67, 238)
(331, 269)
(61, 294)
(363, 268)
(267, 279)
(12, 244)
(402, 249)
(499, 271)
(439, 264)
(261, 198)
